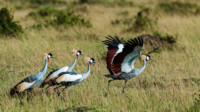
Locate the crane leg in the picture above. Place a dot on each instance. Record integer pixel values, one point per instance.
(106, 94)
(29, 94)
(45, 89)
(20, 98)
(124, 88)
(58, 93)
(63, 90)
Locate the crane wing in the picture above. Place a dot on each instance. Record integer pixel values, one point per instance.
(123, 62)
(68, 77)
(115, 46)
(55, 73)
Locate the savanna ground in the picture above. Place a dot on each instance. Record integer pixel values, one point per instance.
(168, 82)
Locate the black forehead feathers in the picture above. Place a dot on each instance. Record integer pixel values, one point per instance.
(148, 55)
(79, 51)
(92, 59)
(50, 54)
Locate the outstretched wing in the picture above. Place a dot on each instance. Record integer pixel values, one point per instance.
(123, 62)
(115, 46)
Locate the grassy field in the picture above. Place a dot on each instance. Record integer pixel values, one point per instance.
(167, 83)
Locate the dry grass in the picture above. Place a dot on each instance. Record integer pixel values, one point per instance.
(166, 84)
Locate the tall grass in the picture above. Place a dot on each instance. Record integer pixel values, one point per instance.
(167, 83)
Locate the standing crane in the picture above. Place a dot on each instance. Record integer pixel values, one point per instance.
(121, 58)
(55, 73)
(68, 79)
(32, 81)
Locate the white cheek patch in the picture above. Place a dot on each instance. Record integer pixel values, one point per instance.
(48, 56)
(147, 57)
(90, 61)
(78, 53)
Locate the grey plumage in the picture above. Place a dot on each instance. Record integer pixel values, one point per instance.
(31, 82)
(68, 79)
(122, 65)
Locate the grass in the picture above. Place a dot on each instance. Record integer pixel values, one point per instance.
(167, 83)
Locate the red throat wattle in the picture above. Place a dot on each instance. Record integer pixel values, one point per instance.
(90, 64)
(47, 60)
(76, 57)
(146, 62)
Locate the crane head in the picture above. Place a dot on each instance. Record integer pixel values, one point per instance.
(50, 55)
(148, 58)
(92, 60)
(79, 53)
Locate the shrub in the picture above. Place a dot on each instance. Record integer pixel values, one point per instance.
(142, 23)
(8, 27)
(64, 18)
(107, 3)
(90, 1)
(69, 18)
(178, 8)
(43, 2)
(167, 38)
(20, 4)
(44, 12)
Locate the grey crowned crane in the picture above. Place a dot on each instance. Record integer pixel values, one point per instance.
(54, 74)
(32, 81)
(121, 58)
(68, 79)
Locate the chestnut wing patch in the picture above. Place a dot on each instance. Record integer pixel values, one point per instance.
(116, 65)
(110, 55)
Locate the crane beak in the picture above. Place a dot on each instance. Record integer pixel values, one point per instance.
(150, 58)
(81, 54)
(94, 62)
(52, 57)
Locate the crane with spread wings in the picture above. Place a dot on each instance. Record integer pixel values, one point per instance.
(121, 58)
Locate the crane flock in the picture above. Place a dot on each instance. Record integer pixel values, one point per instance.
(120, 64)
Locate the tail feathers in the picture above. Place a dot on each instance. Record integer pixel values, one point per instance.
(108, 76)
(13, 91)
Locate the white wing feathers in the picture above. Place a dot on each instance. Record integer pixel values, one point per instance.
(120, 49)
(70, 78)
(128, 63)
(63, 69)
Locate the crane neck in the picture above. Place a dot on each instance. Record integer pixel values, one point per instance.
(141, 69)
(85, 75)
(45, 66)
(73, 64)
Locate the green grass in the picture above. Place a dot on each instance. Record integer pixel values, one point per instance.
(167, 83)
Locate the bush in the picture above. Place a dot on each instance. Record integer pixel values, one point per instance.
(69, 18)
(22, 4)
(44, 12)
(44, 2)
(178, 8)
(142, 23)
(64, 18)
(90, 1)
(107, 3)
(8, 27)
(167, 38)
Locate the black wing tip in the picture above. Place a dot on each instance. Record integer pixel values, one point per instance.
(110, 39)
(135, 41)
